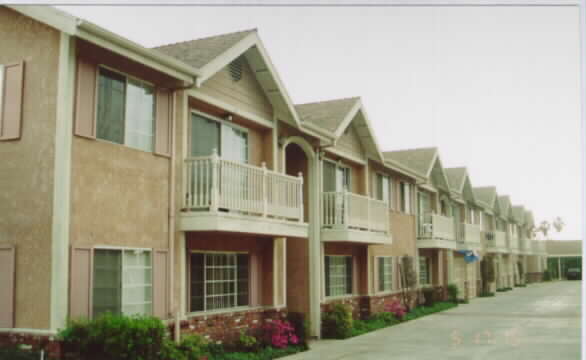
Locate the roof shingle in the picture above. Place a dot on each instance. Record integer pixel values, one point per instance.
(326, 114)
(456, 177)
(420, 160)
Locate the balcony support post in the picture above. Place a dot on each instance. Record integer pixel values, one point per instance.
(301, 215)
(264, 184)
(215, 198)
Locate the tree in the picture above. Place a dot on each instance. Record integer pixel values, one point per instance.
(558, 224)
(408, 278)
(544, 227)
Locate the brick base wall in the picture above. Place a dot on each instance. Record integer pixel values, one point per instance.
(358, 304)
(47, 343)
(534, 277)
(226, 327)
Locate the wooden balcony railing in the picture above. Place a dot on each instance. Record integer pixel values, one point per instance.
(496, 239)
(344, 209)
(214, 184)
(435, 226)
(470, 233)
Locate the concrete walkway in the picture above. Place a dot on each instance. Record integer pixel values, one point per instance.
(541, 321)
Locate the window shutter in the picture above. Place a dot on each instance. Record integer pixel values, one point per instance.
(327, 274)
(86, 99)
(254, 280)
(381, 273)
(12, 94)
(7, 270)
(350, 274)
(163, 121)
(160, 283)
(80, 296)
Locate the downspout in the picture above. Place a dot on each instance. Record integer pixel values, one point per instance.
(171, 225)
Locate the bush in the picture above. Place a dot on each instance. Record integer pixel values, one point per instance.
(453, 292)
(338, 322)
(547, 275)
(246, 342)
(191, 347)
(116, 337)
(397, 309)
(279, 334)
(300, 324)
(486, 294)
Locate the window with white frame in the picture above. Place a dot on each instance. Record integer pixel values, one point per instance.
(229, 140)
(122, 281)
(424, 271)
(336, 176)
(405, 189)
(125, 110)
(382, 187)
(219, 281)
(338, 275)
(385, 273)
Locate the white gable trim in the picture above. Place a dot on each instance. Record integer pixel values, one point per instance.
(348, 119)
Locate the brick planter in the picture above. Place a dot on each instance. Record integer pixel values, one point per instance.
(226, 327)
(37, 342)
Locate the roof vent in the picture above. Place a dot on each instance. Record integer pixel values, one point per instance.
(235, 69)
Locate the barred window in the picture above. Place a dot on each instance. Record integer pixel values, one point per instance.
(385, 273)
(219, 281)
(424, 275)
(338, 275)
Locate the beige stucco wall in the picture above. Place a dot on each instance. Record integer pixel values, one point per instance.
(26, 166)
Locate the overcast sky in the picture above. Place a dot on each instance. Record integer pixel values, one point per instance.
(495, 88)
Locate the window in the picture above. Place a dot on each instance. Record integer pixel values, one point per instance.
(336, 177)
(219, 281)
(382, 187)
(385, 273)
(122, 282)
(424, 270)
(126, 111)
(208, 134)
(338, 275)
(405, 197)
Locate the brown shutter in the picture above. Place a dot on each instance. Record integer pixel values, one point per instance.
(11, 111)
(163, 123)
(254, 280)
(86, 99)
(7, 270)
(80, 304)
(160, 284)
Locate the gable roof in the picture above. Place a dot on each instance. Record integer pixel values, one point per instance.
(421, 160)
(200, 52)
(456, 177)
(486, 195)
(505, 206)
(519, 214)
(211, 54)
(330, 114)
(529, 220)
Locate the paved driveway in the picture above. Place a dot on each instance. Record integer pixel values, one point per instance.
(541, 321)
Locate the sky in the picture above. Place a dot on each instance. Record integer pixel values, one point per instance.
(497, 89)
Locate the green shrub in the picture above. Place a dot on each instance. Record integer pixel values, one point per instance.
(116, 337)
(247, 342)
(453, 292)
(547, 275)
(266, 353)
(191, 347)
(301, 326)
(486, 294)
(337, 323)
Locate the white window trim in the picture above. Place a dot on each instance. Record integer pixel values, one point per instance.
(1, 90)
(339, 164)
(123, 249)
(389, 185)
(221, 310)
(429, 271)
(222, 122)
(407, 199)
(394, 286)
(126, 77)
(334, 297)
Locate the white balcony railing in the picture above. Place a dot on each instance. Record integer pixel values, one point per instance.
(213, 184)
(348, 210)
(470, 233)
(432, 226)
(495, 239)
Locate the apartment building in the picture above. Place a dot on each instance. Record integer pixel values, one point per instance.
(183, 182)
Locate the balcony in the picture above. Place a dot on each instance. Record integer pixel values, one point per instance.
(496, 241)
(468, 237)
(514, 245)
(435, 231)
(224, 195)
(350, 217)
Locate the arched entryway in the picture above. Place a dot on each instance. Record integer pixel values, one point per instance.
(304, 255)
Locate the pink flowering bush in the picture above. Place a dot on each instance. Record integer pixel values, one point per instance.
(397, 309)
(280, 334)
